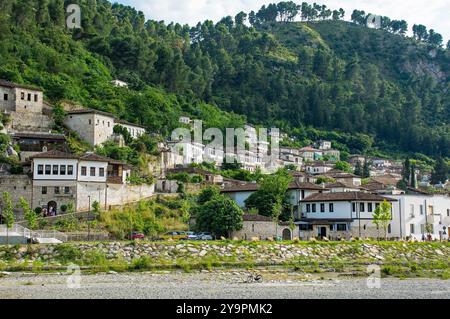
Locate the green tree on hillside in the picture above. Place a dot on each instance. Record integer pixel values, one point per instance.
(220, 216)
(440, 172)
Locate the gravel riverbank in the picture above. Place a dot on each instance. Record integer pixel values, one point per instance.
(214, 285)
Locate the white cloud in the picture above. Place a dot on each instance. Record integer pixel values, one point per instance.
(432, 13)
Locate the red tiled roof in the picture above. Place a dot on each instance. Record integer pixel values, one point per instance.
(346, 196)
(55, 154)
(12, 85)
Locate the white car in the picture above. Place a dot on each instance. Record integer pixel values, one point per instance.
(191, 235)
(204, 236)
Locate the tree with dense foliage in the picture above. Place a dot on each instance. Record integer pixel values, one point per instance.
(382, 217)
(271, 197)
(29, 214)
(343, 166)
(220, 216)
(7, 213)
(297, 75)
(358, 169)
(440, 172)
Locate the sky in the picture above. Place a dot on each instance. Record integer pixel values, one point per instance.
(432, 13)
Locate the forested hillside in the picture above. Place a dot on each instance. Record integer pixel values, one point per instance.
(346, 80)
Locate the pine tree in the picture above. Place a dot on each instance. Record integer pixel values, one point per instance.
(358, 169)
(440, 172)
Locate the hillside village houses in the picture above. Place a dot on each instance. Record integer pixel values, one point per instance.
(342, 207)
(53, 177)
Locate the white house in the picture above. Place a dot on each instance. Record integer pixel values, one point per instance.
(416, 211)
(59, 178)
(119, 83)
(310, 154)
(319, 168)
(324, 145)
(342, 215)
(97, 127)
(189, 152)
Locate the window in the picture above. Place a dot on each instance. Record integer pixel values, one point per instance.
(308, 208)
(44, 190)
(389, 229)
(109, 124)
(48, 169)
(411, 210)
(66, 190)
(313, 208)
(411, 228)
(29, 96)
(421, 209)
(448, 212)
(70, 170)
(83, 171)
(62, 170)
(57, 190)
(370, 207)
(430, 210)
(322, 208)
(55, 169)
(101, 172)
(331, 208)
(35, 98)
(22, 96)
(5, 97)
(341, 227)
(40, 169)
(354, 207)
(305, 227)
(92, 171)
(377, 205)
(362, 207)
(90, 121)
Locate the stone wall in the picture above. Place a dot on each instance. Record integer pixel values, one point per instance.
(264, 230)
(120, 194)
(18, 186)
(29, 122)
(169, 253)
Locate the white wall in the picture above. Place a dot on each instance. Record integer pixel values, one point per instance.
(407, 212)
(52, 162)
(95, 165)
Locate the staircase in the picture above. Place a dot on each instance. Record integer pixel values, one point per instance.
(18, 234)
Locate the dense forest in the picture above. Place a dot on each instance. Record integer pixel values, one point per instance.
(298, 67)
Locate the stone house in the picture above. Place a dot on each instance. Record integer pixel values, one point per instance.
(263, 228)
(97, 127)
(25, 105)
(59, 178)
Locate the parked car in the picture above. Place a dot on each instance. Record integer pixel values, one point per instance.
(135, 236)
(191, 235)
(204, 236)
(174, 235)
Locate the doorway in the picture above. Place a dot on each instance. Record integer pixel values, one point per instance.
(287, 234)
(322, 232)
(52, 208)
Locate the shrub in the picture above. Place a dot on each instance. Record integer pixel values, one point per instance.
(64, 208)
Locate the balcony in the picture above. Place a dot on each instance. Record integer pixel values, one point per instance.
(114, 180)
